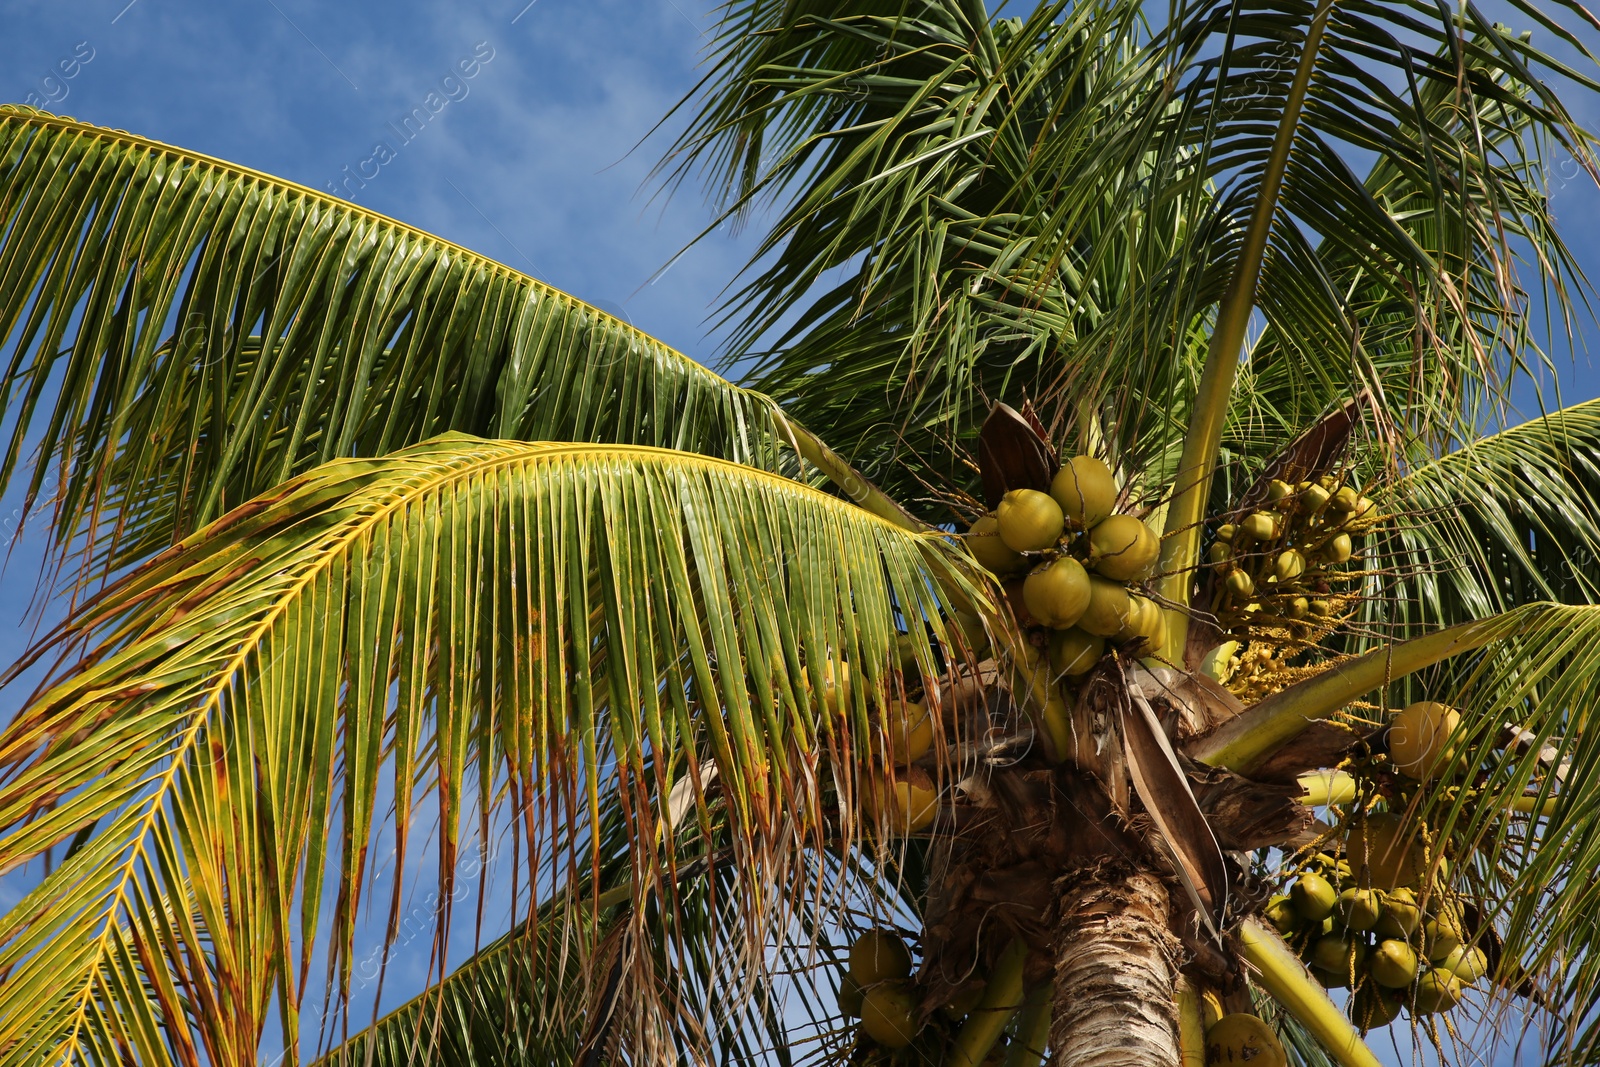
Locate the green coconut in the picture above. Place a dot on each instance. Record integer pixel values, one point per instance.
(1057, 592)
(889, 1015)
(1122, 548)
(1339, 953)
(1241, 1038)
(1299, 608)
(1029, 521)
(1262, 525)
(1436, 991)
(1361, 908)
(1337, 550)
(983, 541)
(1074, 651)
(1289, 565)
(1393, 963)
(1373, 1006)
(1313, 497)
(879, 956)
(1401, 917)
(1219, 552)
(1467, 962)
(1282, 914)
(1344, 499)
(1313, 897)
(1108, 607)
(1386, 852)
(850, 996)
(1085, 490)
(1240, 584)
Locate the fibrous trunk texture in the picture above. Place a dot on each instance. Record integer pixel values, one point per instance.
(1115, 974)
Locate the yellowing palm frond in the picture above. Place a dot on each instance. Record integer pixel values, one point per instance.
(579, 625)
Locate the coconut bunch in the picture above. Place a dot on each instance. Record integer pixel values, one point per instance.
(877, 989)
(1360, 920)
(1085, 564)
(1283, 567)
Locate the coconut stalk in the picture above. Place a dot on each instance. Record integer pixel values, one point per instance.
(1033, 1028)
(1244, 740)
(1327, 787)
(1180, 543)
(1191, 1024)
(1002, 996)
(1280, 972)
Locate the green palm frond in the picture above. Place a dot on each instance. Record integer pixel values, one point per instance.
(1505, 520)
(185, 334)
(575, 626)
(1052, 206)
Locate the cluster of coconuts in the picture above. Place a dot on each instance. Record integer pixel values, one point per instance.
(1361, 924)
(906, 797)
(1280, 559)
(1081, 558)
(877, 989)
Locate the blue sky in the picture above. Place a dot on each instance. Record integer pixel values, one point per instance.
(530, 159)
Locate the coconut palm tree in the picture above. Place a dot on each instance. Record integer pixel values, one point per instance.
(375, 551)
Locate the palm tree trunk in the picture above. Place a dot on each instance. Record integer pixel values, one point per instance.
(1115, 974)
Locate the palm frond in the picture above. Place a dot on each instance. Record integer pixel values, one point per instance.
(1505, 520)
(184, 334)
(1052, 206)
(573, 627)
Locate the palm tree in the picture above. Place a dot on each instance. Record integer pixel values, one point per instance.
(360, 530)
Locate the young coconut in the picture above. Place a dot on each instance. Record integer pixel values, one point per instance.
(1108, 607)
(889, 1015)
(850, 997)
(835, 695)
(1122, 548)
(1337, 550)
(1074, 651)
(910, 730)
(1386, 853)
(908, 805)
(1401, 917)
(1419, 738)
(1392, 964)
(1241, 585)
(1436, 991)
(983, 541)
(1029, 520)
(1289, 566)
(1057, 592)
(879, 956)
(1145, 621)
(1262, 525)
(1467, 963)
(1313, 897)
(1241, 1038)
(1361, 908)
(1085, 490)
(1339, 953)
(1374, 1006)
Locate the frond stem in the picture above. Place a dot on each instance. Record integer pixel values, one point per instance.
(1180, 544)
(1287, 981)
(1001, 999)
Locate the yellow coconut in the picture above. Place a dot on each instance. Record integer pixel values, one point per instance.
(1437, 991)
(1057, 592)
(910, 730)
(1122, 548)
(1338, 549)
(983, 541)
(1467, 963)
(1074, 651)
(1107, 609)
(1386, 853)
(879, 956)
(835, 695)
(1029, 520)
(1263, 525)
(1373, 1006)
(1419, 738)
(1313, 897)
(1240, 585)
(1241, 1038)
(1344, 498)
(1289, 566)
(889, 1015)
(1145, 620)
(1401, 917)
(1085, 490)
(1393, 964)
(1361, 908)
(909, 804)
